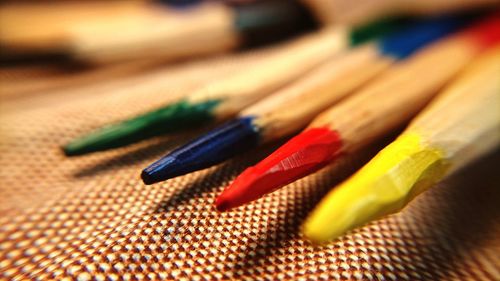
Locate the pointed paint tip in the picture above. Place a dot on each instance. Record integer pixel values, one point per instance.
(397, 174)
(161, 170)
(171, 118)
(236, 194)
(69, 151)
(80, 146)
(315, 237)
(222, 204)
(210, 149)
(299, 157)
(147, 179)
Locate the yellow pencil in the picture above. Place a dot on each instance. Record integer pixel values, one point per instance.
(384, 104)
(462, 124)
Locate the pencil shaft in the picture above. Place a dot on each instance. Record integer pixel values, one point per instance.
(358, 12)
(200, 30)
(246, 87)
(460, 125)
(465, 120)
(399, 94)
(294, 107)
(218, 99)
(288, 111)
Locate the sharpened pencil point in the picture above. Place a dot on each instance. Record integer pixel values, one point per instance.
(147, 178)
(222, 204)
(210, 149)
(174, 117)
(301, 156)
(384, 186)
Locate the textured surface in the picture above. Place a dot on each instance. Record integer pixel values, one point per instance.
(91, 216)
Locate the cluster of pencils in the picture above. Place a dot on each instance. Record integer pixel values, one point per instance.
(334, 90)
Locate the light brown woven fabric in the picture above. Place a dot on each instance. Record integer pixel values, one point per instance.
(91, 217)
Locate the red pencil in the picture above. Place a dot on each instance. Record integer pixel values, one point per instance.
(386, 103)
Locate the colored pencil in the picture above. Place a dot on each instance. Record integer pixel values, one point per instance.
(180, 3)
(104, 31)
(201, 29)
(154, 31)
(378, 108)
(291, 108)
(30, 27)
(360, 11)
(461, 125)
(224, 98)
(219, 99)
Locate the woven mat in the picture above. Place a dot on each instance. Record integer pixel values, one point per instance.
(91, 217)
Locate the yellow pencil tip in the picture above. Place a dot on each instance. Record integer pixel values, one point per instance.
(385, 185)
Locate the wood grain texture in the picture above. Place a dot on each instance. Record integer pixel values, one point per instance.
(158, 33)
(465, 120)
(399, 94)
(294, 106)
(459, 127)
(250, 84)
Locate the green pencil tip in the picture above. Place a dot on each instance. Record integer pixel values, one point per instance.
(377, 28)
(174, 117)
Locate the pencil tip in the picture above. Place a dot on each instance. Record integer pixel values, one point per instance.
(146, 177)
(299, 157)
(385, 185)
(171, 118)
(222, 204)
(210, 149)
(68, 151)
(163, 169)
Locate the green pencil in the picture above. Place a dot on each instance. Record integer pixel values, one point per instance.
(224, 98)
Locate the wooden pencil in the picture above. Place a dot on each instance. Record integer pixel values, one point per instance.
(107, 31)
(462, 124)
(138, 78)
(43, 27)
(153, 31)
(381, 106)
(221, 98)
(293, 107)
(360, 11)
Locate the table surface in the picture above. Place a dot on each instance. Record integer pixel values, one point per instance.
(91, 216)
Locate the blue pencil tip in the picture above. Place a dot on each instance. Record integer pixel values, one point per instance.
(210, 149)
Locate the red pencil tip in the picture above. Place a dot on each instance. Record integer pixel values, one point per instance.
(222, 204)
(299, 157)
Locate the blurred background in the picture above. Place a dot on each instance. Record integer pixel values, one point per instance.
(48, 45)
